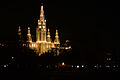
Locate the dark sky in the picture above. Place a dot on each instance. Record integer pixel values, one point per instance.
(92, 26)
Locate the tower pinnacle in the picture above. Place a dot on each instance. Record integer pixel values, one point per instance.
(19, 34)
(19, 31)
(48, 36)
(42, 20)
(56, 41)
(29, 39)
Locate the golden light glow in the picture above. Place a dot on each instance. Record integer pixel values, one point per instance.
(82, 65)
(43, 26)
(66, 48)
(39, 26)
(69, 47)
(33, 45)
(63, 63)
(24, 44)
(53, 46)
(43, 41)
(67, 41)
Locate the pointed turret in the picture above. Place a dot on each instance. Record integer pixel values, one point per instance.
(41, 29)
(48, 40)
(42, 20)
(41, 36)
(29, 39)
(56, 41)
(48, 36)
(19, 34)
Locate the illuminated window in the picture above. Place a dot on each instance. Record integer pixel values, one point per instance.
(39, 26)
(33, 45)
(43, 26)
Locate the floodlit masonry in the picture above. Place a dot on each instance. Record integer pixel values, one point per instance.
(43, 42)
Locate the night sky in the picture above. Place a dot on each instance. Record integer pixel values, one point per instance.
(91, 26)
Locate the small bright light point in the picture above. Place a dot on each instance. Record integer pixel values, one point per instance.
(82, 65)
(12, 57)
(47, 66)
(63, 63)
(72, 66)
(39, 26)
(107, 65)
(77, 66)
(43, 26)
(33, 45)
(5, 66)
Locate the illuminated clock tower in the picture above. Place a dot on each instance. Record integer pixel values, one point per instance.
(41, 32)
(43, 41)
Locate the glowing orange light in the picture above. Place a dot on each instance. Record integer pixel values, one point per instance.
(63, 63)
(33, 45)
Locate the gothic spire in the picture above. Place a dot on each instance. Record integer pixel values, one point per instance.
(19, 34)
(42, 20)
(19, 31)
(48, 36)
(29, 39)
(56, 41)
